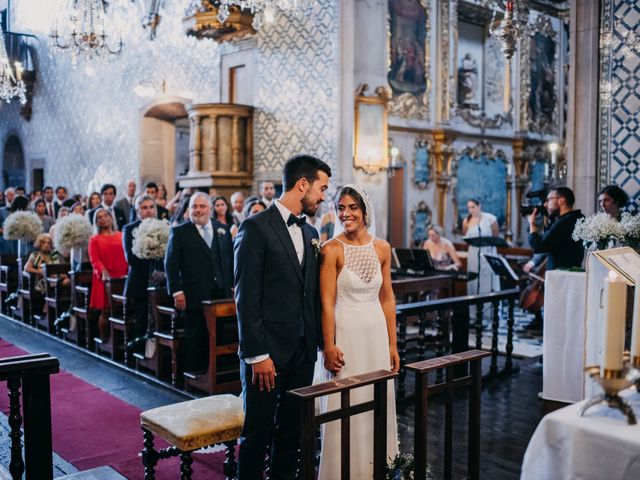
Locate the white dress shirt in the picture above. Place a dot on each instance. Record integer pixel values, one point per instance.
(295, 232)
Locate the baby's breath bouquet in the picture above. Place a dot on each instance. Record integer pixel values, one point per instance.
(21, 225)
(631, 226)
(598, 231)
(72, 231)
(150, 239)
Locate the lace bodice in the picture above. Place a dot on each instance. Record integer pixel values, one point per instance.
(360, 279)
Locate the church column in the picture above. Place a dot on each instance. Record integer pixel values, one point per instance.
(195, 146)
(442, 152)
(235, 144)
(213, 144)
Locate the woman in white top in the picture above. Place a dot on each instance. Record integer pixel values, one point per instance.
(480, 224)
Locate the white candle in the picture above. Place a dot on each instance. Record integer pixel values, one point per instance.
(615, 303)
(509, 169)
(635, 329)
(546, 169)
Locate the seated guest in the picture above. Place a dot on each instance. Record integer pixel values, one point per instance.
(43, 254)
(108, 196)
(612, 199)
(221, 210)
(237, 204)
(564, 252)
(151, 189)
(250, 209)
(442, 251)
(40, 207)
(108, 261)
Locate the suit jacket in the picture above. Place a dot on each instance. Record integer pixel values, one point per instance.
(197, 269)
(121, 220)
(137, 281)
(277, 299)
(128, 209)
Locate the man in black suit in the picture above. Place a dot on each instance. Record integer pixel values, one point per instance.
(135, 286)
(199, 266)
(277, 297)
(151, 188)
(108, 194)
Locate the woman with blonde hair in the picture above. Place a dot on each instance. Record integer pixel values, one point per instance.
(442, 251)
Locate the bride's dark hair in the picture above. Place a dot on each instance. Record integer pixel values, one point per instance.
(356, 196)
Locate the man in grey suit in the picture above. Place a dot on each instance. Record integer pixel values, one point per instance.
(127, 203)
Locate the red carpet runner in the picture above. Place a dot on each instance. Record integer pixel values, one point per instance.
(92, 428)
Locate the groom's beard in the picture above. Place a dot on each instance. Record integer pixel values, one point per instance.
(309, 208)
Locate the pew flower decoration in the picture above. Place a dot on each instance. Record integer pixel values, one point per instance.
(599, 231)
(21, 225)
(631, 226)
(72, 231)
(150, 239)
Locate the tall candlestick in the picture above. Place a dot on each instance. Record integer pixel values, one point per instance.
(635, 329)
(546, 170)
(615, 303)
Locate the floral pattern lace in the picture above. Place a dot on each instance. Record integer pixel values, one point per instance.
(363, 261)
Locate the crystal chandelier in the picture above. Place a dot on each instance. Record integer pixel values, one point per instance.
(262, 10)
(11, 86)
(511, 27)
(83, 33)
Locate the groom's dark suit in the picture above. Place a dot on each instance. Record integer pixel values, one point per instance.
(278, 315)
(202, 272)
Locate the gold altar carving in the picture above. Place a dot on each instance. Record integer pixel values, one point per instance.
(442, 152)
(447, 9)
(221, 147)
(201, 21)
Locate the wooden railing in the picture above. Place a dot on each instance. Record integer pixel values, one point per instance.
(32, 373)
(309, 420)
(452, 320)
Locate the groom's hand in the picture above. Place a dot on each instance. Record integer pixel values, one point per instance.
(264, 374)
(333, 359)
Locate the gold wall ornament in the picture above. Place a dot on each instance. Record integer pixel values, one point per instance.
(443, 158)
(447, 10)
(202, 21)
(409, 104)
(479, 119)
(371, 139)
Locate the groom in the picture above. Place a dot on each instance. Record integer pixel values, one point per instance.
(276, 279)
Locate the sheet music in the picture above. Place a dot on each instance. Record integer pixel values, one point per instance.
(625, 261)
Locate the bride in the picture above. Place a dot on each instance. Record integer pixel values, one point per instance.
(358, 326)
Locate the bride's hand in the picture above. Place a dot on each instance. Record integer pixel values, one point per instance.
(333, 359)
(395, 359)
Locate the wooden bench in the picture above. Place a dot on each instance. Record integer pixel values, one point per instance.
(157, 296)
(120, 321)
(113, 347)
(189, 426)
(169, 334)
(8, 279)
(57, 296)
(86, 319)
(223, 370)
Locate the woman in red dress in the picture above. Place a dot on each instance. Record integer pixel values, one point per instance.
(107, 259)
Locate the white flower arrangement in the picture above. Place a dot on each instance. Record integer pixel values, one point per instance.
(22, 225)
(631, 226)
(598, 231)
(72, 231)
(150, 239)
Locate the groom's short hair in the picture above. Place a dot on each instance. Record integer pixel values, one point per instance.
(302, 166)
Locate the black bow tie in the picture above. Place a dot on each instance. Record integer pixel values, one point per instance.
(300, 221)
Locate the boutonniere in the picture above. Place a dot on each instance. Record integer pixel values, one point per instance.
(221, 231)
(317, 246)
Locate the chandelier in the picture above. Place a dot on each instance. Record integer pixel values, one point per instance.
(11, 86)
(263, 11)
(83, 33)
(512, 26)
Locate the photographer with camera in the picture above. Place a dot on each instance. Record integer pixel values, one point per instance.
(563, 251)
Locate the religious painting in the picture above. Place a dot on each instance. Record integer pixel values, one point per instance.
(420, 221)
(408, 65)
(483, 178)
(371, 137)
(421, 164)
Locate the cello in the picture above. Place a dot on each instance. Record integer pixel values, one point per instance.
(532, 296)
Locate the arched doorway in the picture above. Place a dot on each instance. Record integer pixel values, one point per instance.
(13, 171)
(164, 141)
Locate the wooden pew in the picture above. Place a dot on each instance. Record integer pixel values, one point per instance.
(19, 310)
(8, 280)
(157, 296)
(113, 347)
(169, 334)
(223, 370)
(86, 319)
(57, 295)
(120, 321)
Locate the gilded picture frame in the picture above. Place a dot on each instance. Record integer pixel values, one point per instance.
(371, 139)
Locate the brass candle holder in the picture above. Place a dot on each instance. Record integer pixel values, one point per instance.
(613, 383)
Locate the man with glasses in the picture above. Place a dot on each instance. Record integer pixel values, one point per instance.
(563, 251)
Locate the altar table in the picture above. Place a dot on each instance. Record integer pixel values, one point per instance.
(598, 446)
(564, 336)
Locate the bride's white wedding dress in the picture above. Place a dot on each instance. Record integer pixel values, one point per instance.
(361, 334)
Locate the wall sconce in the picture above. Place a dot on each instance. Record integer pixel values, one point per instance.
(371, 143)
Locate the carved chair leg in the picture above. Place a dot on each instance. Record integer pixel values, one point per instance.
(230, 468)
(185, 466)
(149, 456)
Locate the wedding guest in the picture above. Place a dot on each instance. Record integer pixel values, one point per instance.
(34, 195)
(612, 199)
(237, 204)
(175, 202)
(151, 189)
(63, 212)
(61, 196)
(21, 191)
(127, 203)
(47, 195)
(108, 261)
(78, 208)
(327, 224)
(161, 199)
(442, 251)
(182, 212)
(93, 201)
(40, 208)
(43, 254)
(251, 208)
(107, 197)
(221, 210)
(267, 192)
(480, 224)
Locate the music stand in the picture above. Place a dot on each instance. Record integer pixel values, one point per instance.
(480, 242)
(501, 267)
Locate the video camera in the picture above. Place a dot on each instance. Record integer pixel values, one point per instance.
(529, 207)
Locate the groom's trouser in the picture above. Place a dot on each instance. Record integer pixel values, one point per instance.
(273, 416)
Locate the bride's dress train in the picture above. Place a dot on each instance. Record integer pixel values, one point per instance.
(361, 334)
